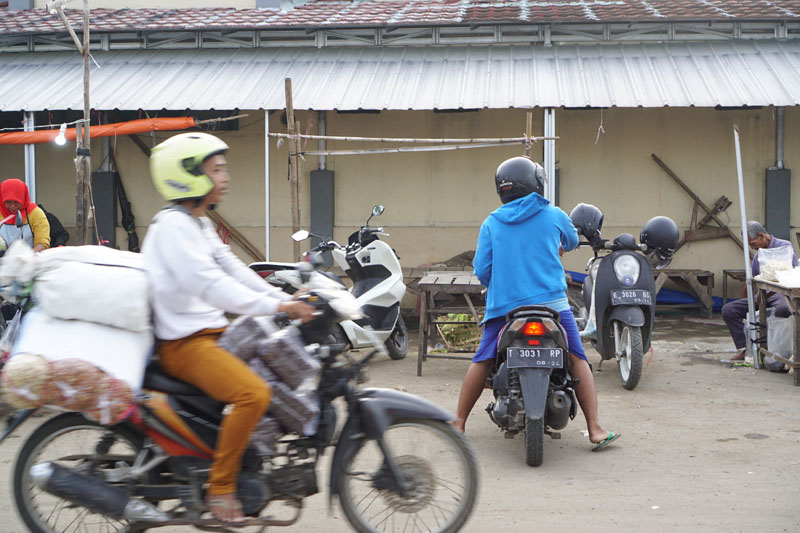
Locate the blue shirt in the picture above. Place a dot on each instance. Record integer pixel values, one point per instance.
(774, 242)
(517, 255)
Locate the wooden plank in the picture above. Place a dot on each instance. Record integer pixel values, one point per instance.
(660, 281)
(423, 332)
(703, 292)
(472, 309)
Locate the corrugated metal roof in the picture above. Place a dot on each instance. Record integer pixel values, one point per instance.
(734, 73)
(371, 13)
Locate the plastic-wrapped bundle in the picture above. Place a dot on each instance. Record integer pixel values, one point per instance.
(74, 384)
(285, 354)
(266, 435)
(243, 335)
(24, 379)
(113, 401)
(297, 411)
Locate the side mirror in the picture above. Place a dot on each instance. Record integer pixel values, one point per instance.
(301, 235)
(377, 210)
(18, 222)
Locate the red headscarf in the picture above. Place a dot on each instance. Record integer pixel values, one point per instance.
(16, 190)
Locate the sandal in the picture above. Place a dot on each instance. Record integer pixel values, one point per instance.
(227, 503)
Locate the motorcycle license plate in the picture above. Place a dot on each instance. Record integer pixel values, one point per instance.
(518, 357)
(635, 297)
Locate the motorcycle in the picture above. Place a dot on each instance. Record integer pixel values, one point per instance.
(374, 268)
(149, 471)
(530, 378)
(620, 291)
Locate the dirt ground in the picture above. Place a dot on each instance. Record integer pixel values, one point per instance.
(705, 447)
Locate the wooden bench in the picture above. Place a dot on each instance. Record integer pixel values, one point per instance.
(696, 282)
(793, 297)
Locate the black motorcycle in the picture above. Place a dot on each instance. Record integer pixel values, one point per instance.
(620, 291)
(73, 474)
(531, 380)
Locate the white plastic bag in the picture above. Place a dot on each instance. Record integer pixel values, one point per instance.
(789, 278)
(771, 260)
(779, 341)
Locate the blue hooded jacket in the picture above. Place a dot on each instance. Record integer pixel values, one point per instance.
(517, 255)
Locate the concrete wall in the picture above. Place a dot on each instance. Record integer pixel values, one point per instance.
(436, 201)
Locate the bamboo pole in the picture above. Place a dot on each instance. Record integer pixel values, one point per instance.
(490, 140)
(85, 174)
(528, 131)
(438, 148)
(294, 166)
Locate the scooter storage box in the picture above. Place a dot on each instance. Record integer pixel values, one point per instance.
(297, 411)
(285, 354)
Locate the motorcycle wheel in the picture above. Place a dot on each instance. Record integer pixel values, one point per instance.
(71, 441)
(397, 343)
(534, 441)
(442, 479)
(630, 356)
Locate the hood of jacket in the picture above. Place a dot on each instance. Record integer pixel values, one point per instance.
(520, 209)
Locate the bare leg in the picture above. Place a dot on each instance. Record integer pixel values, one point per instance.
(471, 390)
(587, 397)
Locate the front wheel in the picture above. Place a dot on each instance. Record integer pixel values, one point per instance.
(534, 441)
(397, 343)
(628, 346)
(73, 442)
(440, 480)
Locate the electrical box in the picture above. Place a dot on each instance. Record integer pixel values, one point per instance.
(777, 202)
(104, 192)
(322, 197)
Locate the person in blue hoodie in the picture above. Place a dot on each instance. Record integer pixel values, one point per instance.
(518, 259)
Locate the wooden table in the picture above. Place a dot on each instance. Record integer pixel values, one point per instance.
(443, 292)
(735, 273)
(793, 297)
(698, 282)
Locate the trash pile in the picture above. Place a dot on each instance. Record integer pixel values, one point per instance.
(85, 341)
(280, 358)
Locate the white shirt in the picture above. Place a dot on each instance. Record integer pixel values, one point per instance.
(195, 278)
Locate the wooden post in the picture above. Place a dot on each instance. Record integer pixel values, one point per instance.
(83, 161)
(294, 167)
(528, 131)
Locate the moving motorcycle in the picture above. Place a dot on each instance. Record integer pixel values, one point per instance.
(378, 286)
(531, 380)
(620, 288)
(149, 471)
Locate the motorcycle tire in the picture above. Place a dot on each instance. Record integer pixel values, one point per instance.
(632, 353)
(534, 441)
(441, 475)
(397, 343)
(68, 517)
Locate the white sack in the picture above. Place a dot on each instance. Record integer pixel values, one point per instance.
(110, 295)
(122, 354)
(92, 254)
(18, 265)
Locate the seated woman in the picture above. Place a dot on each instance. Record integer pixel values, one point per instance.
(14, 197)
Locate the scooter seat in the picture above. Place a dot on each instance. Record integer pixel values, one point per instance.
(155, 378)
(532, 311)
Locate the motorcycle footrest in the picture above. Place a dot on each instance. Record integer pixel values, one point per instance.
(555, 435)
(510, 434)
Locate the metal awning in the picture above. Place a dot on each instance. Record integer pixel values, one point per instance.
(701, 74)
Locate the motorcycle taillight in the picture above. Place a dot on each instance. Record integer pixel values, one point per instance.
(264, 273)
(533, 329)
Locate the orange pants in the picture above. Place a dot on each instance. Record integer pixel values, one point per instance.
(198, 360)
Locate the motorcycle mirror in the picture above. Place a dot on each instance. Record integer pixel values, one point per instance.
(18, 222)
(377, 210)
(301, 235)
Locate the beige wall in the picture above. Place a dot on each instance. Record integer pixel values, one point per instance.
(436, 201)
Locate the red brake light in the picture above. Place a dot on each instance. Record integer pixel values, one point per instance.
(533, 329)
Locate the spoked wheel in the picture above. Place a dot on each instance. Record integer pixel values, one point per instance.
(440, 474)
(629, 349)
(397, 343)
(534, 441)
(73, 442)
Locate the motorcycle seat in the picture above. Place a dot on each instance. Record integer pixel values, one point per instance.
(526, 311)
(155, 378)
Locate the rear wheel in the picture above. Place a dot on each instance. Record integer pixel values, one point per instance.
(629, 349)
(397, 343)
(534, 441)
(73, 442)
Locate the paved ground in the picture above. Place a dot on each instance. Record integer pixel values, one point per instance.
(705, 447)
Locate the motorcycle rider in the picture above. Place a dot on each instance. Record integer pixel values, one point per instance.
(518, 260)
(194, 280)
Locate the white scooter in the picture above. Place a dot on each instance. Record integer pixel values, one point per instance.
(378, 286)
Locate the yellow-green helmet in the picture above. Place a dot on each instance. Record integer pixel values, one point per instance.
(175, 165)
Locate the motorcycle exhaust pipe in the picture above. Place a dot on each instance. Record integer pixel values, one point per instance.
(559, 405)
(93, 494)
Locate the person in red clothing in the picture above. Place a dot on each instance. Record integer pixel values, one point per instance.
(35, 230)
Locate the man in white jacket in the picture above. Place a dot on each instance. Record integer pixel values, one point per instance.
(194, 280)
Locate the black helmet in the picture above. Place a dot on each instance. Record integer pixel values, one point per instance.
(661, 236)
(518, 177)
(588, 220)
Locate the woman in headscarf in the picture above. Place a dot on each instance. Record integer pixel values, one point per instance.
(35, 230)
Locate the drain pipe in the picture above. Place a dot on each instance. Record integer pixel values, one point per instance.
(779, 138)
(323, 159)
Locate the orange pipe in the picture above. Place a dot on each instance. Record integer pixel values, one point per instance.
(144, 125)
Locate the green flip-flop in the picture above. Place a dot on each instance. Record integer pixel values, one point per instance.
(603, 443)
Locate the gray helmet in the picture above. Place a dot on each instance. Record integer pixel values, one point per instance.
(518, 177)
(588, 220)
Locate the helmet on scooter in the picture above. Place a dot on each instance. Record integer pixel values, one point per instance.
(176, 165)
(588, 220)
(518, 177)
(661, 236)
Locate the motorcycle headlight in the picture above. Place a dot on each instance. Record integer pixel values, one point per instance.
(627, 269)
